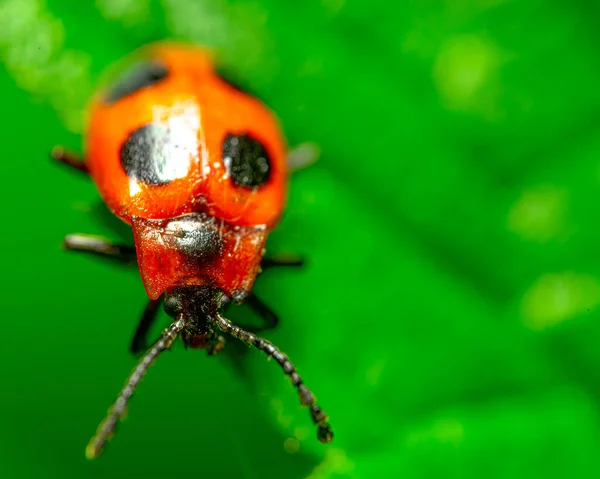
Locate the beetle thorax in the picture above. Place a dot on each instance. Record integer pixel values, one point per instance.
(198, 250)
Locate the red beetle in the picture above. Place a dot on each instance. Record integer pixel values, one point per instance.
(198, 169)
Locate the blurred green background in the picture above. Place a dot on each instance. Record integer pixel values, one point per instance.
(448, 319)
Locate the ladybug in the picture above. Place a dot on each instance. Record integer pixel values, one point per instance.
(198, 169)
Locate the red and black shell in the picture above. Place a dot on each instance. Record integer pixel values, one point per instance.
(196, 166)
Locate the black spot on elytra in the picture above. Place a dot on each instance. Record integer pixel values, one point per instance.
(139, 75)
(246, 160)
(152, 156)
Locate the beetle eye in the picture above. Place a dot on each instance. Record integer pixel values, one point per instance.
(246, 160)
(139, 75)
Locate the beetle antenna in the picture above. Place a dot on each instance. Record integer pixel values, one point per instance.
(116, 412)
(307, 398)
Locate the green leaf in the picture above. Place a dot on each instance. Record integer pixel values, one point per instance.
(447, 317)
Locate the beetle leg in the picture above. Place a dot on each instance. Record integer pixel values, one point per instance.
(99, 246)
(139, 342)
(301, 156)
(261, 309)
(258, 305)
(69, 158)
(281, 260)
